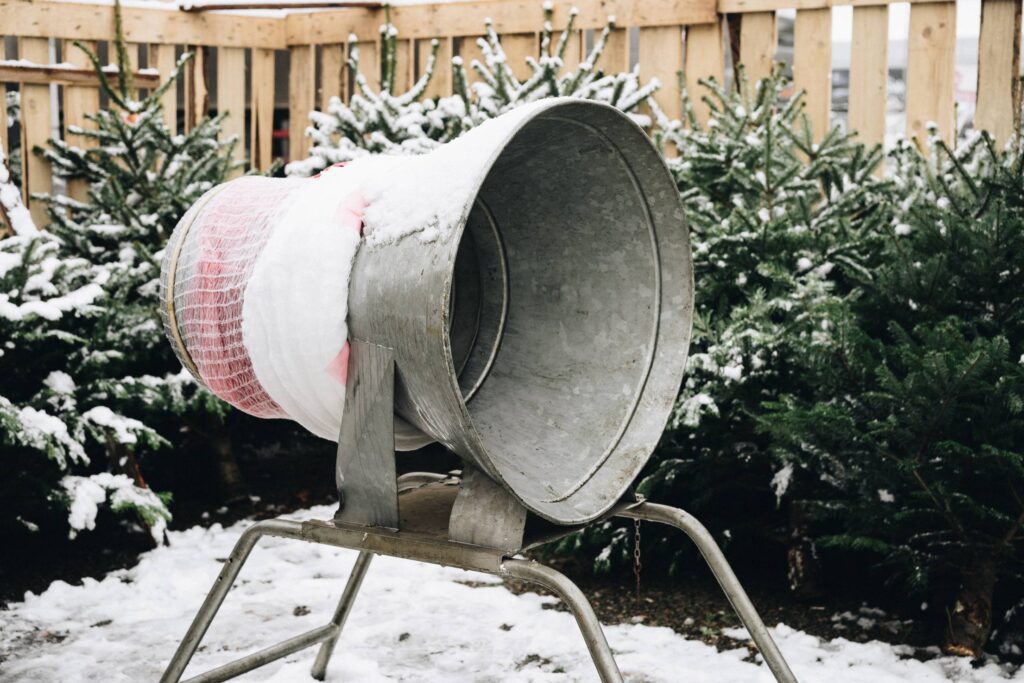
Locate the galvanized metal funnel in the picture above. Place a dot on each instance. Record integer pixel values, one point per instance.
(544, 337)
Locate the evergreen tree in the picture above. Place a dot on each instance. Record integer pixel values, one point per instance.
(82, 301)
(383, 122)
(780, 229)
(916, 422)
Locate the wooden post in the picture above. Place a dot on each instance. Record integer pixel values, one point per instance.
(998, 109)
(231, 97)
(403, 66)
(518, 47)
(262, 127)
(869, 73)
(705, 58)
(369, 62)
(301, 98)
(196, 95)
(812, 65)
(661, 57)
(161, 57)
(79, 101)
(441, 82)
(931, 48)
(469, 51)
(35, 130)
(615, 57)
(332, 74)
(758, 41)
(573, 50)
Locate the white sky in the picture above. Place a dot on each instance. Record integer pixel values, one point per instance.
(968, 20)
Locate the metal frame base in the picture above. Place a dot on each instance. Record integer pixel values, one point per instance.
(426, 546)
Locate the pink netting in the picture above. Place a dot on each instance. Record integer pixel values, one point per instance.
(214, 264)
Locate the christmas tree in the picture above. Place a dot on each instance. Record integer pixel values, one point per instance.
(781, 228)
(383, 122)
(916, 422)
(81, 301)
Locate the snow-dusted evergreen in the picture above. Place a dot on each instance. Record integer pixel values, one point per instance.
(778, 227)
(911, 424)
(407, 123)
(91, 387)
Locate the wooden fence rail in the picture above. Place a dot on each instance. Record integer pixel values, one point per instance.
(698, 36)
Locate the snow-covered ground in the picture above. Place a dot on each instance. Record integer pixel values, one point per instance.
(412, 622)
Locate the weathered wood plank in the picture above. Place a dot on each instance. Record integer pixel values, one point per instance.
(509, 16)
(231, 97)
(261, 132)
(812, 65)
(79, 101)
(403, 65)
(301, 98)
(161, 23)
(517, 48)
(661, 57)
(36, 117)
(469, 51)
(85, 77)
(931, 48)
(731, 6)
(197, 96)
(573, 50)
(869, 73)
(441, 81)
(758, 43)
(332, 74)
(615, 57)
(705, 58)
(369, 62)
(998, 109)
(161, 57)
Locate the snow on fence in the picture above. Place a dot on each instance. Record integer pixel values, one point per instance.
(251, 50)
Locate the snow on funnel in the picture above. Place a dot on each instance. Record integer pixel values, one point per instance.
(532, 279)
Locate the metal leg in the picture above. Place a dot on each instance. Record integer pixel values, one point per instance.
(208, 610)
(557, 582)
(348, 597)
(723, 573)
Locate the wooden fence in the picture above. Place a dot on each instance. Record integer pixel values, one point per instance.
(694, 35)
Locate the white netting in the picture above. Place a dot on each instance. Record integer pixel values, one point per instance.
(258, 268)
(223, 233)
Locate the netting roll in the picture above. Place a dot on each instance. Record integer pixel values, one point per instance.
(254, 289)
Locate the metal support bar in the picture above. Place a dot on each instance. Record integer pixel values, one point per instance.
(324, 634)
(220, 589)
(569, 592)
(348, 597)
(731, 586)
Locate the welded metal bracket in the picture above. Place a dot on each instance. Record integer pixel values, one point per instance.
(486, 514)
(365, 470)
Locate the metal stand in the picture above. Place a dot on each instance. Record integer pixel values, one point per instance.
(425, 504)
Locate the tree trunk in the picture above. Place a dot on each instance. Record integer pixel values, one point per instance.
(232, 485)
(970, 619)
(801, 556)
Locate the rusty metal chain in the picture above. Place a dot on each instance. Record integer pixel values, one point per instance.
(637, 564)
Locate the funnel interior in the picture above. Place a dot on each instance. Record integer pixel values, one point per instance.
(582, 290)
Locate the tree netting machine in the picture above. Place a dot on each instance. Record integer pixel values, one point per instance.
(522, 296)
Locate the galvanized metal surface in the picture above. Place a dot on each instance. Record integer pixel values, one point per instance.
(579, 329)
(348, 598)
(725, 576)
(573, 597)
(365, 470)
(486, 514)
